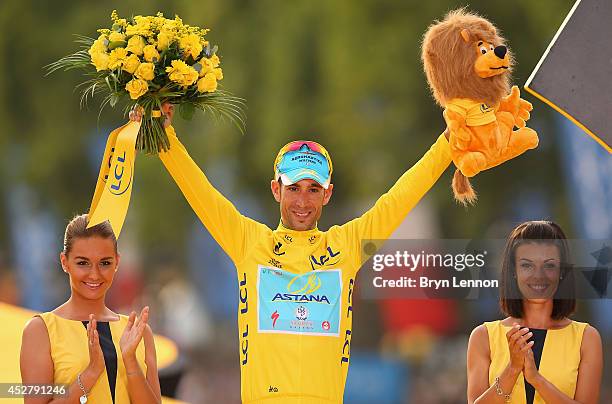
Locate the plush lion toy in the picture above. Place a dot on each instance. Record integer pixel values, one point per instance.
(468, 69)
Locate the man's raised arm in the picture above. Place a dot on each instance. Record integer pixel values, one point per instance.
(390, 209)
(233, 231)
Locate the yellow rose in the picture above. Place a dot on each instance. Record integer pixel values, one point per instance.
(218, 73)
(116, 58)
(100, 44)
(136, 45)
(215, 60)
(116, 37)
(164, 39)
(136, 88)
(191, 45)
(150, 53)
(131, 63)
(207, 84)
(99, 60)
(145, 71)
(181, 73)
(142, 26)
(207, 66)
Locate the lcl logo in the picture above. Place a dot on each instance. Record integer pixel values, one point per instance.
(120, 176)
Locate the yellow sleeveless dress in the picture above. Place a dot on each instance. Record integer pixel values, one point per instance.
(559, 363)
(70, 354)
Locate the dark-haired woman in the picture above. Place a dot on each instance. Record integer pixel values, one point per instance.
(101, 356)
(537, 354)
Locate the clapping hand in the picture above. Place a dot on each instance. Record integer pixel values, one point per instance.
(96, 357)
(530, 371)
(132, 335)
(517, 343)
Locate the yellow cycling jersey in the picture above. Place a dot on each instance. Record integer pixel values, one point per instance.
(296, 287)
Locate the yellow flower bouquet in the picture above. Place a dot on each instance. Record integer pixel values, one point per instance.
(150, 60)
(147, 61)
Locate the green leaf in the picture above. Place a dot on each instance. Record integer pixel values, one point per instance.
(207, 51)
(116, 44)
(186, 110)
(115, 97)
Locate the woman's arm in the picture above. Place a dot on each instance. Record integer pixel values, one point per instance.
(479, 361)
(151, 361)
(589, 374)
(37, 366)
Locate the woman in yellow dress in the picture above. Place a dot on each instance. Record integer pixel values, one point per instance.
(536, 354)
(101, 356)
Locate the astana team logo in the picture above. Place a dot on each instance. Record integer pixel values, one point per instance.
(311, 285)
(302, 288)
(306, 303)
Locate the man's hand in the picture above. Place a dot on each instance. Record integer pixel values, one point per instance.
(167, 110)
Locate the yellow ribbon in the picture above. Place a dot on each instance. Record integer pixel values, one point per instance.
(114, 187)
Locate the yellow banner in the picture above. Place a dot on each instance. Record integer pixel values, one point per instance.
(114, 187)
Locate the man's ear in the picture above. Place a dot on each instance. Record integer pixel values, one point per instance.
(327, 193)
(275, 186)
(465, 34)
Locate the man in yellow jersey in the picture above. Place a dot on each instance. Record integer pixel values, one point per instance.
(296, 282)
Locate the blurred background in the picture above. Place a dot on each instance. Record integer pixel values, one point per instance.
(344, 73)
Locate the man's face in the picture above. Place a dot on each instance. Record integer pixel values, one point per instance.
(301, 203)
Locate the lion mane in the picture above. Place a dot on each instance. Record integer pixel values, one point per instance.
(448, 60)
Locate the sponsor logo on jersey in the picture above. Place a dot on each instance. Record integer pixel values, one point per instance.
(325, 260)
(300, 298)
(484, 108)
(274, 317)
(277, 248)
(301, 313)
(275, 263)
(303, 291)
(299, 303)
